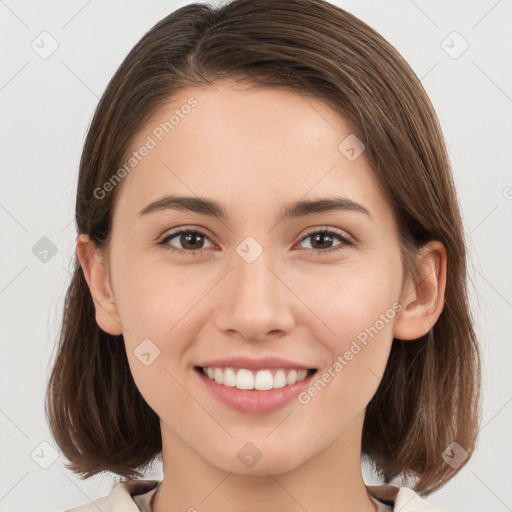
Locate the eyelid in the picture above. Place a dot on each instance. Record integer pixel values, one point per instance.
(338, 232)
(189, 229)
(345, 238)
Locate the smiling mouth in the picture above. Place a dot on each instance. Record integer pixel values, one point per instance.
(256, 380)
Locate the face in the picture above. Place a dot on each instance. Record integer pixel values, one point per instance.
(317, 288)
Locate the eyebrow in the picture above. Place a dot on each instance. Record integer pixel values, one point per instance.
(216, 210)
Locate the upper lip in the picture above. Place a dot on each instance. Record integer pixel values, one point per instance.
(254, 364)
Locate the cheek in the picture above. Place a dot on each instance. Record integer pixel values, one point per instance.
(160, 310)
(155, 300)
(352, 298)
(358, 309)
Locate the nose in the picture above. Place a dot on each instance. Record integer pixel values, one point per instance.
(256, 302)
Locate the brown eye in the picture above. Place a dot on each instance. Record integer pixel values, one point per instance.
(191, 241)
(324, 240)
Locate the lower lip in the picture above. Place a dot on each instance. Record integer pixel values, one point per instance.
(254, 401)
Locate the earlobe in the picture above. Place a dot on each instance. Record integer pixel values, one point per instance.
(422, 303)
(99, 284)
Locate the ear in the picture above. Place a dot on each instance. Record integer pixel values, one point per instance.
(422, 303)
(97, 278)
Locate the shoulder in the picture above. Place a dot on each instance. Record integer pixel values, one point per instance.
(120, 498)
(402, 498)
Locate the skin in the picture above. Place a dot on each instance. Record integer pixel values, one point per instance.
(254, 151)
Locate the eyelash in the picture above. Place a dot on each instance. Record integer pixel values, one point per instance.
(335, 234)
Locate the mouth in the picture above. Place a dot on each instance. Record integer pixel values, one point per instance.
(257, 391)
(255, 380)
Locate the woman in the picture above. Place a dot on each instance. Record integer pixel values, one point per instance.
(206, 320)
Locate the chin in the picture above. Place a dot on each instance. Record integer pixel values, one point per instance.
(262, 464)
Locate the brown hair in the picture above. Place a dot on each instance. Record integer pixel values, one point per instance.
(429, 395)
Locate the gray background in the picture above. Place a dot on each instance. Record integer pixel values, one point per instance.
(46, 106)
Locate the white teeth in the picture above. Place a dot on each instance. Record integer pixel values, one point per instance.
(218, 375)
(261, 380)
(244, 379)
(279, 379)
(229, 378)
(291, 378)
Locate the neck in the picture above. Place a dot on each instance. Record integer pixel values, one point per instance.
(331, 481)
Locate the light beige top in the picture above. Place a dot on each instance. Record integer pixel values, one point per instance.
(135, 496)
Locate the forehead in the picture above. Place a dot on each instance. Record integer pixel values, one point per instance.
(237, 143)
